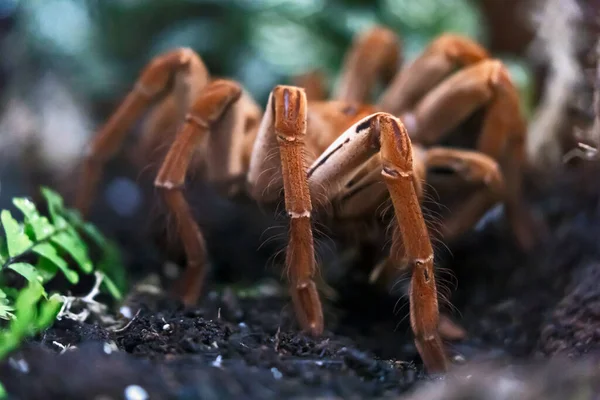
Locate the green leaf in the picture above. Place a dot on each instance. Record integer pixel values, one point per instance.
(41, 226)
(26, 309)
(111, 288)
(72, 244)
(23, 323)
(8, 342)
(27, 271)
(5, 308)
(49, 252)
(46, 268)
(94, 234)
(56, 207)
(11, 293)
(16, 239)
(48, 311)
(3, 250)
(87, 228)
(6, 312)
(29, 310)
(74, 217)
(3, 394)
(111, 265)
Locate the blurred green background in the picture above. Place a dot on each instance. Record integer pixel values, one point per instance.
(66, 64)
(100, 45)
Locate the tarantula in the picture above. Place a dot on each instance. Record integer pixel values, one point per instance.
(339, 150)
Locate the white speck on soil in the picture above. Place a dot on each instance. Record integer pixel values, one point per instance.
(110, 347)
(217, 362)
(459, 359)
(166, 327)
(20, 365)
(509, 387)
(126, 312)
(135, 392)
(276, 373)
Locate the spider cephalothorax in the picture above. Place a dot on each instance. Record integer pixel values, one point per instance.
(345, 151)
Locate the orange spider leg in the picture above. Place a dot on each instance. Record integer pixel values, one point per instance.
(313, 83)
(206, 111)
(504, 115)
(396, 152)
(375, 54)
(474, 168)
(384, 133)
(485, 84)
(441, 57)
(362, 192)
(365, 192)
(180, 70)
(284, 128)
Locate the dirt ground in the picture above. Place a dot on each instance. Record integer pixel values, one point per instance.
(242, 342)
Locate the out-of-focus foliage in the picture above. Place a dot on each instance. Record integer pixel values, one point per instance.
(69, 61)
(34, 312)
(38, 249)
(104, 43)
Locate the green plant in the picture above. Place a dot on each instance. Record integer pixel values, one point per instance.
(38, 249)
(34, 312)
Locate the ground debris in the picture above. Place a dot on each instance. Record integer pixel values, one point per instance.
(242, 341)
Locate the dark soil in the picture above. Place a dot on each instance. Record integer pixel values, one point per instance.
(242, 341)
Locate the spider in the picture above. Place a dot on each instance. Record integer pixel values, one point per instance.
(346, 152)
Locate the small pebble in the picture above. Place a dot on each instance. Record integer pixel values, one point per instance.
(459, 359)
(217, 362)
(20, 365)
(276, 373)
(126, 312)
(242, 325)
(166, 327)
(508, 387)
(135, 392)
(113, 346)
(215, 345)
